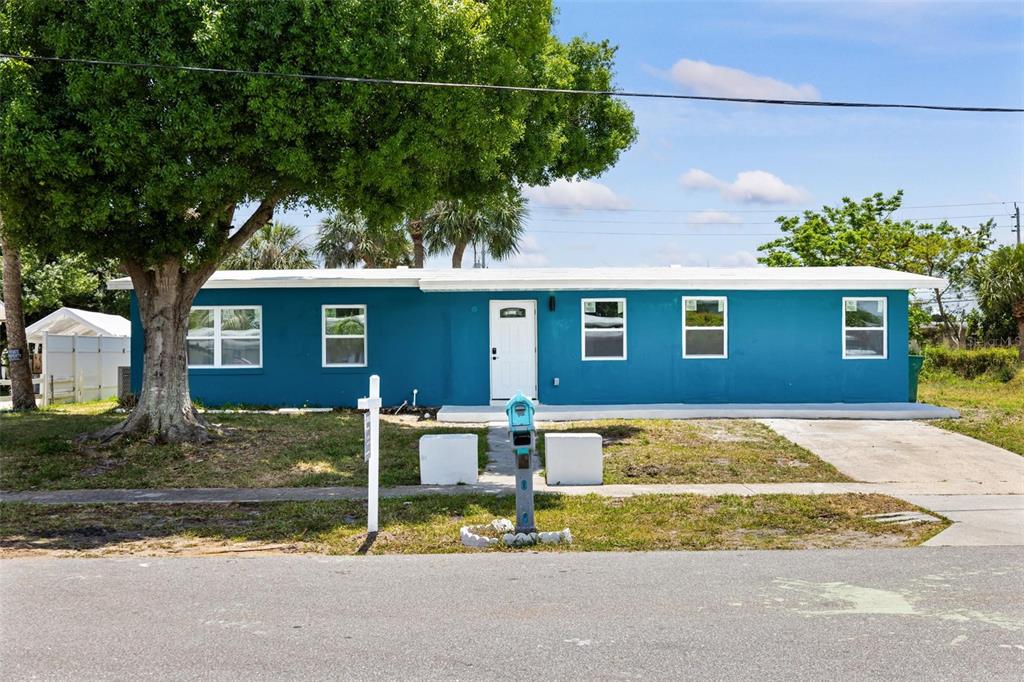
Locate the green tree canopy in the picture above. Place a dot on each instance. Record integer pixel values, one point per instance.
(149, 165)
(275, 246)
(496, 223)
(52, 282)
(346, 240)
(865, 233)
(999, 279)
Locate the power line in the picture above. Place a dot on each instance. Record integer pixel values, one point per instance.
(504, 88)
(589, 233)
(735, 210)
(736, 224)
(726, 222)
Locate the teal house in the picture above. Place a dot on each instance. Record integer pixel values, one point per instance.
(580, 336)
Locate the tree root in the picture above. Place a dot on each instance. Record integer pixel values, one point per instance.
(189, 428)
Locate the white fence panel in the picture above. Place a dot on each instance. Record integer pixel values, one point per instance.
(82, 368)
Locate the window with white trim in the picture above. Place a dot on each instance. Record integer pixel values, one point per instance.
(344, 334)
(604, 328)
(705, 327)
(864, 329)
(225, 336)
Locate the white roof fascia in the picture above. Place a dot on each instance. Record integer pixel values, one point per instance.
(764, 279)
(261, 279)
(577, 279)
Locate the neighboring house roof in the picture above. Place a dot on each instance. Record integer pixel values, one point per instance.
(569, 279)
(80, 322)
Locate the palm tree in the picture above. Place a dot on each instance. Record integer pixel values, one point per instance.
(345, 240)
(1000, 284)
(274, 247)
(496, 224)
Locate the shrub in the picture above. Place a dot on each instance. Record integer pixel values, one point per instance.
(999, 363)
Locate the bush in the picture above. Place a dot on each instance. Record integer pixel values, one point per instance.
(998, 363)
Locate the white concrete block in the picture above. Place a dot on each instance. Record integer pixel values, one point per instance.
(573, 458)
(448, 459)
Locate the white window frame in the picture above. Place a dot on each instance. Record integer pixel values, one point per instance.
(583, 329)
(885, 327)
(364, 336)
(217, 336)
(724, 328)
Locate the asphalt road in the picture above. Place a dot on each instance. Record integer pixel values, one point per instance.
(925, 614)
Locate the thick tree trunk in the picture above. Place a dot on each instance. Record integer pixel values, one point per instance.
(163, 409)
(419, 253)
(164, 292)
(457, 253)
(23, 396)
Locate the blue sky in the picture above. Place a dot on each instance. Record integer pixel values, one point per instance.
(712, 177)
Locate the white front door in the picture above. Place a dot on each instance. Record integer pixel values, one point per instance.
(513, 351)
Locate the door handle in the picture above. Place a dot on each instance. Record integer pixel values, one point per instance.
(494, 353)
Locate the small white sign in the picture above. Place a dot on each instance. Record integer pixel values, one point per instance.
(367, 420)
(590, 307)
(851, 306)
(691, 305)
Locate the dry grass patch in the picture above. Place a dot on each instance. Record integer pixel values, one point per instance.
(38, 452)
(700, 451)
(990, 410)
(430, 524)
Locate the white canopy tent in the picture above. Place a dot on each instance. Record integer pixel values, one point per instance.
(81, 352)
(75, 322)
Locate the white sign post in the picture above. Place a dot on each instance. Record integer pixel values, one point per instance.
(371, 449)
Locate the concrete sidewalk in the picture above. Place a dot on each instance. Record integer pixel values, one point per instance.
(228, 495)
(977, 486)
(978, 520)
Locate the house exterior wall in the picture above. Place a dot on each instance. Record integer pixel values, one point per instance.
(783, 347)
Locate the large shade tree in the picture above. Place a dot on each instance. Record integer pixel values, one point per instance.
(152, 166)
(495, 223)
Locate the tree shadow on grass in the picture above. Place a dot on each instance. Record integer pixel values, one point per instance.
(38, 451)
(336, 526)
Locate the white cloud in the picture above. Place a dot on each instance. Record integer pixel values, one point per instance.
(575, 194)
(531, 253)
(738, 259)
(675, 253)
(711, 80)
(749, 187)
(712, 217)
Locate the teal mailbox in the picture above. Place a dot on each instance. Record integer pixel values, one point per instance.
(523, 436)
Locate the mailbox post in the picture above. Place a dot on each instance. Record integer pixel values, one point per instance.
(523, 435)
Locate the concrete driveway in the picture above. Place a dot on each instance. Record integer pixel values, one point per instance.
(978, 486)
(924, 458)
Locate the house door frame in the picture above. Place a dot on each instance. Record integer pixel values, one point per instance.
(494, 305)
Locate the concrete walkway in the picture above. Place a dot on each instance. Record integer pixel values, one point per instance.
(978, 520)
(897, 411)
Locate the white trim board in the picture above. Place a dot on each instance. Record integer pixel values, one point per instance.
(576, 279)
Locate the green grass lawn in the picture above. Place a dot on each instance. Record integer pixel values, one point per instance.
(430, 524)
(37, 451)
(699, 451)
(990, 410)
